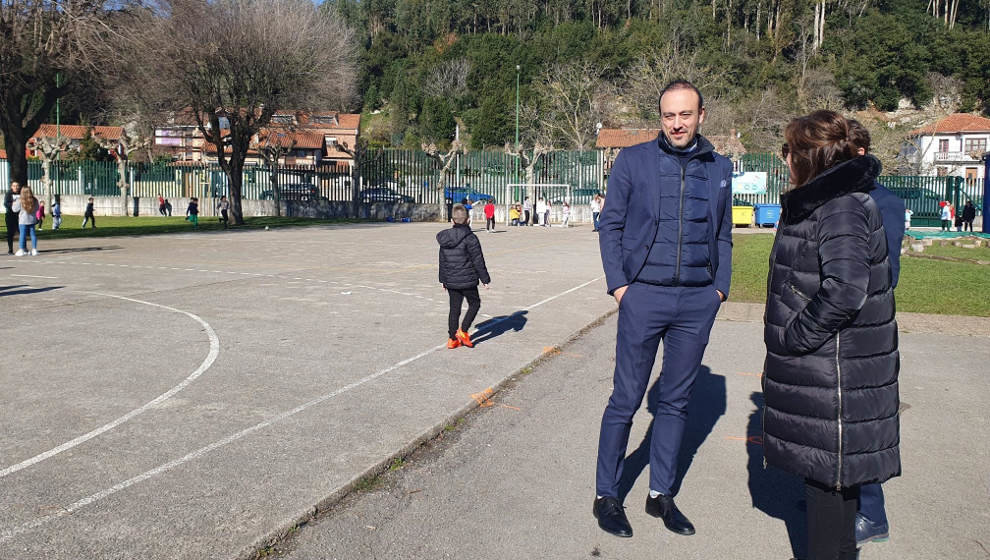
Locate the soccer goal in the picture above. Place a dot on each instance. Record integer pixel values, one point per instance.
(553, 192)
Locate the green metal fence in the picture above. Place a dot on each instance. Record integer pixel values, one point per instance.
(392, 174)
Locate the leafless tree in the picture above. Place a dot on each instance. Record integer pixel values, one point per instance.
(47, 48)
(273, 145)
(448, 79)
(235, 62)
(121, 149)
(574, 97)
(652, 71)
(48, 148)
(444, 159)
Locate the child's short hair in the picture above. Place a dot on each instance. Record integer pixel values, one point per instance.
(459, 214)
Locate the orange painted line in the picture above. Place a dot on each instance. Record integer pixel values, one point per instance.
(512, 407)
(484, 398)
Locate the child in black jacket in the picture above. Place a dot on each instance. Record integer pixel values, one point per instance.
(462, 265)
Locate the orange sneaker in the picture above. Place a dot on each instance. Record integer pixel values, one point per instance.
(464, 338)
(453, 343)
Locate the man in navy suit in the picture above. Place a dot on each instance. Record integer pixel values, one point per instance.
(871, 519)
(666, 245)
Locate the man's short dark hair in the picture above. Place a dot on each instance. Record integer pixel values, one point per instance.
(859, 136)
(682, 84)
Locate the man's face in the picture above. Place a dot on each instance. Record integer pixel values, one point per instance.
(16, 187)
(681, 116)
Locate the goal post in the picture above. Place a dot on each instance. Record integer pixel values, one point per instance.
(553, 191)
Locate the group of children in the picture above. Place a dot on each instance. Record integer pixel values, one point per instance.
(519, 214)
(25, 214)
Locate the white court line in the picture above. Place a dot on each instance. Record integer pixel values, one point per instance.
(210, 358)
(72, 508)
(31, 276)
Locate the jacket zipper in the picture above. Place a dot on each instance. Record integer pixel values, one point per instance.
(838, 369)
(680, 230)
(798, 292)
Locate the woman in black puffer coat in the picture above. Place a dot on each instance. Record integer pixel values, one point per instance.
(830, 377)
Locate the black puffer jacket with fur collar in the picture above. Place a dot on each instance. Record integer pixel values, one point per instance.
(830, 377)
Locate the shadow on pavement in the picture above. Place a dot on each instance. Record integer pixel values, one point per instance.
(13, 291)
(495, 326)
(773, 491)
(79, 250)
(708, 401)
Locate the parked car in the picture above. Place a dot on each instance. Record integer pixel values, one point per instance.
(382, 194)
(293, 191)
(458, 194)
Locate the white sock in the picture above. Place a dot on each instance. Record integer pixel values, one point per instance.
(654, 493)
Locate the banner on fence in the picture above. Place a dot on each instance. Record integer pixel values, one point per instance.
(749, 182)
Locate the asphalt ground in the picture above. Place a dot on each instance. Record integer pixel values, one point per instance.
(196, 395)
(516, 479)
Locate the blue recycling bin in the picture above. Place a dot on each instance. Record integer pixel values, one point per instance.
(767, 214)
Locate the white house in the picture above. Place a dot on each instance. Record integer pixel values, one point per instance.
(952, 146)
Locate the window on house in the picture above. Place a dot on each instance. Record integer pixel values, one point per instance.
(943, 146)
(978, 145)
(282, 119)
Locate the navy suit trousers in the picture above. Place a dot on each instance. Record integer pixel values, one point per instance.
(682, 317)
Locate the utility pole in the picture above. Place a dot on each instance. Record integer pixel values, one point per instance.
(518, 68)
(58, 133)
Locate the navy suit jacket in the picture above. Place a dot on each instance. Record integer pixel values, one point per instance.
(892, 214)
(629, 222)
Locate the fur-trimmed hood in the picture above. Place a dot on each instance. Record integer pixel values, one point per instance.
(855, 175)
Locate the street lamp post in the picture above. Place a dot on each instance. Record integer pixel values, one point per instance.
(517, 123)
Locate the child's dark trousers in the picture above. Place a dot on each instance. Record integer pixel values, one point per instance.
(457, 297)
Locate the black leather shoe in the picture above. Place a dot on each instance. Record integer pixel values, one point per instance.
(867, 531)
(611, 518)
(664, 508)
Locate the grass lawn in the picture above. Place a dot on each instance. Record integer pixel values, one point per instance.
(976, 254)
(926, 285)
(110, 226)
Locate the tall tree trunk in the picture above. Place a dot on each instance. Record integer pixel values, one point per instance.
(18, 161)
(235, 176)
(122, 182)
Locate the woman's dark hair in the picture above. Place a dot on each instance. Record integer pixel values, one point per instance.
(817, 142)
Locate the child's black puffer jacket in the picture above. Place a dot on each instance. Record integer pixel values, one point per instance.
(462, 264)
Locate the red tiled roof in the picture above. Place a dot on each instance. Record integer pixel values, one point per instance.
(302, 140)
(954, 124)
(624, 137)
(77, 132)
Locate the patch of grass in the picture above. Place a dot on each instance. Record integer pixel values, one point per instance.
(454, 426)
(397, 464)
(750, 264)
(113, 226)
(975, 254)
(925, 286)
(368, 483)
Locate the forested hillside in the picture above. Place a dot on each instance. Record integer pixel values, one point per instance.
(426, 64)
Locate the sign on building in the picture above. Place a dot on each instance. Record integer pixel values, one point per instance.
(750, 182)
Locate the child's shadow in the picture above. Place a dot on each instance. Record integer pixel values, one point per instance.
(495, 326)
(774, 492)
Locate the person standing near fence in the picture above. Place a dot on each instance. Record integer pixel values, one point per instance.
(57, 213)
(88, 215)
(224, 206)
(161, 205)
(527, 210)
(968, 215)
(40, 214)
(490, 215)
(26, 208)
(596, 209)
(10, 217)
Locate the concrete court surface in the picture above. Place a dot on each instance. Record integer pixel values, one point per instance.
(192, 395)
(516, 480)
